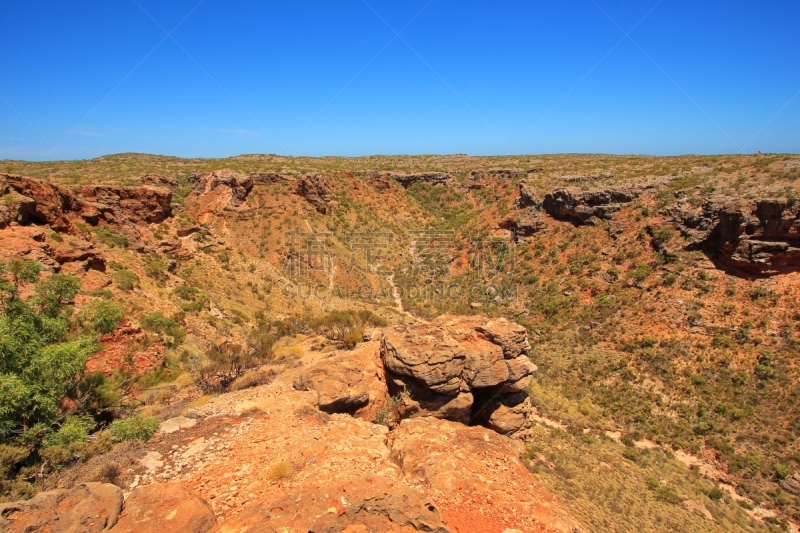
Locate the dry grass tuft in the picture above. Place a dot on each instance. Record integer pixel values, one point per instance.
(280, 471)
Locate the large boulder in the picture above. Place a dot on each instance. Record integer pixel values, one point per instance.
(339, 384)
(86, 508)
(527, 196)
(347, 382)
(165, 508)
(459, 368)
(369, 504)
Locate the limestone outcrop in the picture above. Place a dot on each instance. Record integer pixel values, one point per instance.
(460, 368)
(88, 507)
(433, 178)
(165, 508)
(440, 455)
(220, 191)
(761, 236)
(371, 504)
(34, 201)
(587, 207)
(316, 191)
(96, 507)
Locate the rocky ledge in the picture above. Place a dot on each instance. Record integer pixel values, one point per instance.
(466, 369)
(34, 201)
(760, 236)
(96, 507)
(471, 370)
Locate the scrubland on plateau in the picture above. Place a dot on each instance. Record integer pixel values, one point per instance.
(268, 310)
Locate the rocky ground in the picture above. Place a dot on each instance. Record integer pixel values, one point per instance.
(269, 459)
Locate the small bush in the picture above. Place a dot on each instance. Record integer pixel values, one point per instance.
(101, 316)
(139, 428)
(641, 273)
(101, 293)
(157, 270)
(253, 378)
(783, 471)
(125, 280)
(111, 238)
(171, 332)
(10, 456)
(664, 232)
(194, 299)
(351, 338)
(760, 292)
(74, 429)
(280, 471)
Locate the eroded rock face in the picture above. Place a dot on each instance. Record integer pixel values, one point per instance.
(159, 180)
(221, 191)
(527, 197)
(760, 236)
(372, 504)
(587, 207)
(523, 224)
(165, 508)
(791, 484)
(496, 173)
(459, 368)
(434, 178)
(88, 507)
(118, 207)
(316, 191)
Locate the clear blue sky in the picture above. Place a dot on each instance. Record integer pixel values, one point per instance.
(332, 78)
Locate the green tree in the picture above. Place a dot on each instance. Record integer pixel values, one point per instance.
(54, 292)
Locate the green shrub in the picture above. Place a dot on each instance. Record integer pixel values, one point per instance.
(664, 233)
(194, 299)
(10, 456)
(783, 471)
(74, 429)
(125, 279)
(170, 331)
(101, 316)
(351, 338)
(111, 238)
(39, 367)
(157, 270)
(139, 428)
(346, 326)
(641, 273)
